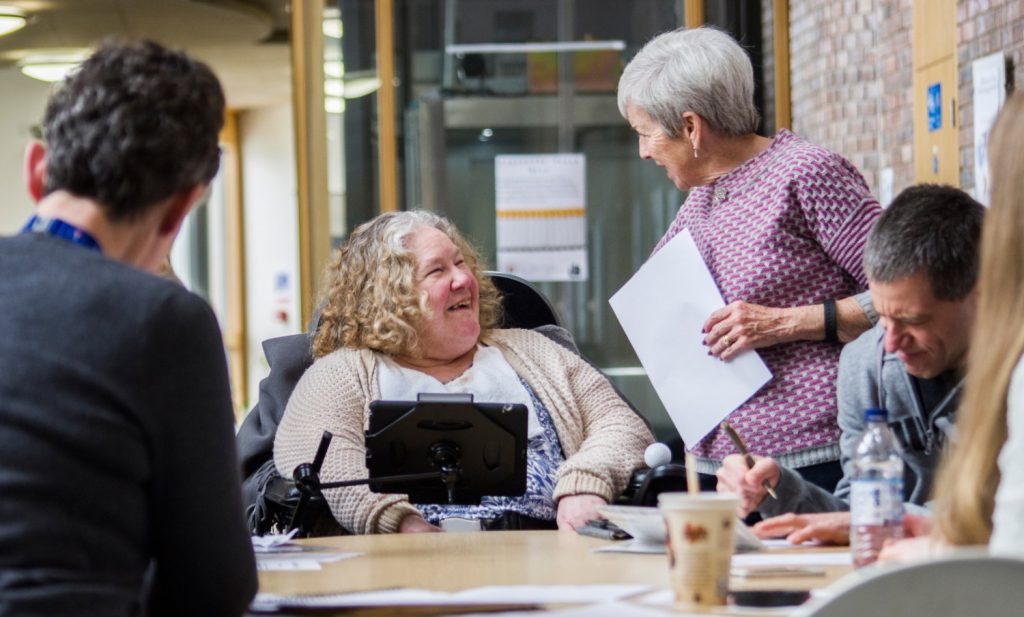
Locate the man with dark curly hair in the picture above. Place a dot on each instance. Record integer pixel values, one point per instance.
(118, 474)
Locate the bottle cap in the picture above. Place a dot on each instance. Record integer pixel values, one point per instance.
(875, 414)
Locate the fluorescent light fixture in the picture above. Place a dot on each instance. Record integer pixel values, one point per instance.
(11, 19)
(350, 88)
(50, 67)
(334, 87)
(334, 69)
(355, 88)
(334, 105)
(525, 48)
(332, 27)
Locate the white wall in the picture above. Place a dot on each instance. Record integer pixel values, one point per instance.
(271, 231)
(22, 101)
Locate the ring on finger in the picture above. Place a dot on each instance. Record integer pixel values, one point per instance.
(728, 341)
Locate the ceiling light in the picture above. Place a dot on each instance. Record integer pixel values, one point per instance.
(334, 68)
(50, 67)
(334, 105)
(332, 27)
(334, 87)
(355, 88)
(11, 19)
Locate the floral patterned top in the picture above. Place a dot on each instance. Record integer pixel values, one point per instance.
(543, 457)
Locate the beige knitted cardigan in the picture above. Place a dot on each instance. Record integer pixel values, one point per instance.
(602, 438)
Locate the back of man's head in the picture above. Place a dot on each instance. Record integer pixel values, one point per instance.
(134, 125)
(928, 228)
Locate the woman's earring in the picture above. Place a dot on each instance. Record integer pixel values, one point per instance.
(695, 153)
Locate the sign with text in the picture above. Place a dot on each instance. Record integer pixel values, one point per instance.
(541, 216)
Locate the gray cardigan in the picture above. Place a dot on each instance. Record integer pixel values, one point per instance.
(921, 432)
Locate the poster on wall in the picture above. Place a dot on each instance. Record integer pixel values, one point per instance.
(541, 216)
(989, 82)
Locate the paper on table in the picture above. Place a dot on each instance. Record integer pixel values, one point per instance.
(662, 309)
(781, 543)
(666, 598)
(271, 542)
(552, 594)
(288, 565)
(306, 561)
(772, 558)
(494, 595)
(613, 609)
(633, 546)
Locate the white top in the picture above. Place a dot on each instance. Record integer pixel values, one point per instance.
(490, 379)
(1008, 517)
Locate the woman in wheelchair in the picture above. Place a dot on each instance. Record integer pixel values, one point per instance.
(407, 310)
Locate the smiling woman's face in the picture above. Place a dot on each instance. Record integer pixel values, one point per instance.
(450, 326)
(674, 154)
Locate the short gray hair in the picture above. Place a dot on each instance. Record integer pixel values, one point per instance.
(703, 70)
(930, 228)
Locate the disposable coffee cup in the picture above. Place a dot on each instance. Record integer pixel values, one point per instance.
(700, 533)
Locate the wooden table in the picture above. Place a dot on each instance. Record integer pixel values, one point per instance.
(456, 561)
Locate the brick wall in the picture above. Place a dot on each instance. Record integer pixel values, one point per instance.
(768, 66)
(851, 77)
(984, 27)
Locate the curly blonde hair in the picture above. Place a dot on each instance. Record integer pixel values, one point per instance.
(371, 299)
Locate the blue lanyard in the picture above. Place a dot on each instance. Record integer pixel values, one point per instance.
(60, 229)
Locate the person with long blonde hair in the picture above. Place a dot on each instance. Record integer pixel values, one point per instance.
(980, 491)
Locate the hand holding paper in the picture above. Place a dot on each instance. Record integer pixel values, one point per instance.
(663, 309)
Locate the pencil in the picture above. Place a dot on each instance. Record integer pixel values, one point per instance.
(742, 447)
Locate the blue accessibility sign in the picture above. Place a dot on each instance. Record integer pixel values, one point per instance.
(934, 107)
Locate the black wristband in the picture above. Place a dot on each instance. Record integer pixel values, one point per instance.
(831, 326)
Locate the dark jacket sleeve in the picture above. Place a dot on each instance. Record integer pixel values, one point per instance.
(203, 558)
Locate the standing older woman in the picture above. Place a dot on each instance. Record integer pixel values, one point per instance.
(781, 224)
(408, 311)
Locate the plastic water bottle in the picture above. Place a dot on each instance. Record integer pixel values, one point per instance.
(876, 491)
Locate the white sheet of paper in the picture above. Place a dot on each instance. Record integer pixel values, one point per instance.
(771, 558)
(551, 594)
(288, 565)
(745, 541)
(540, 208)
(269, 542)
(662, 309)
(613, 609)
(276, 562)
(633, 546)
(666, 598)
(498, 594)
(988, 77)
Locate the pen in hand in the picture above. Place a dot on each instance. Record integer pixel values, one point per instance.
(742, 447)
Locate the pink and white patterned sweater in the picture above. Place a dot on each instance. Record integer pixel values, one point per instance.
(787, 228)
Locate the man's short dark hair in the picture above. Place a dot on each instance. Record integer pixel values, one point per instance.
(931, 228)
(135, 124)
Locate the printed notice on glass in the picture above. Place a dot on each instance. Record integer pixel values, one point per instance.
(989, 82)
(662, 310)
(541, 216)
